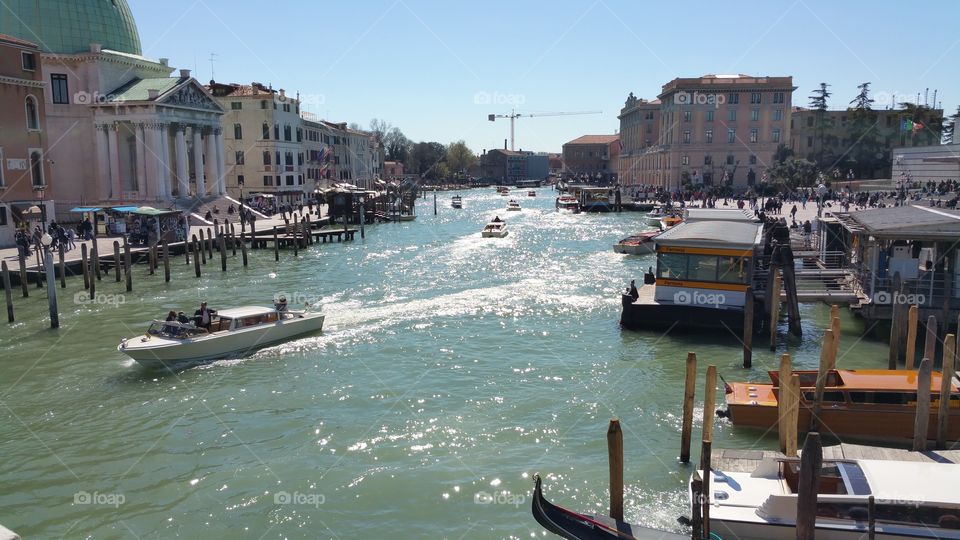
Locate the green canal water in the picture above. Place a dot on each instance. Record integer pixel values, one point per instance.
(451, 369)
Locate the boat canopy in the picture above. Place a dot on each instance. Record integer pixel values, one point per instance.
(245, 311)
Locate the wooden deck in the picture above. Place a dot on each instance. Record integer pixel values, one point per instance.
(731, 460)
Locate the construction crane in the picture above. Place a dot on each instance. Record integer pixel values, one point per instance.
(514, 115)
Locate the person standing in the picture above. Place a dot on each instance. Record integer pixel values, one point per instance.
(204, 316)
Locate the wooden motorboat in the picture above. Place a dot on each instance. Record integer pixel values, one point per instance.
(865, 404)
(513, 206)
(233, 332)
(914, 499)
(669, 221)
(639, 244)
(495, 229)
(531, 193)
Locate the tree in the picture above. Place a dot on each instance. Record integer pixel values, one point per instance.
(862, 102)
(818, 102)
(867, 153)
(379, 129)
(794, 173)
(424, 157)
(397, 145)
(783, 152)
(354, 126)
(460, 157)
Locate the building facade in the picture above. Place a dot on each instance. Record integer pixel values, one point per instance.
(639, 132)
(25, 173)
(592, 158)
(507, 167)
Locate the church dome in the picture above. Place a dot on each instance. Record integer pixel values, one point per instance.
(70, 26)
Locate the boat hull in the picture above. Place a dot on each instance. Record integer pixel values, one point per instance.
(635, 249)
(159, 353)
(494, 234)
(769, 531)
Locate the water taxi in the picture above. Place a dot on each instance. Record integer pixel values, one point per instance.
(866, 404)
(568, 202)
(654, 216)
(531, 194)
(639, 244)
(762, 504)
(669, 221)
(456, 201)
(503, 191)
(233, 332)
(513, 206)
(495, 229)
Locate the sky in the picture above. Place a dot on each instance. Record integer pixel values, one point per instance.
(437, 69)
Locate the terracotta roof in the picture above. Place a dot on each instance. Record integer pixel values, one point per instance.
(18, 41)
(595, 139)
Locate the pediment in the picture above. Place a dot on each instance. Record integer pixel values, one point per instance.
(192, 95)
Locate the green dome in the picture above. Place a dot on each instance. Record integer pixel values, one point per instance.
(70, 26)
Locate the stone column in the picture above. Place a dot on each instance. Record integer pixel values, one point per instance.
(113, 140)
(141, 155)
(183, 175)
(210, 167)
(150, 187)
(102, 145)
(164, 162)
(198, 161)
(221, 161)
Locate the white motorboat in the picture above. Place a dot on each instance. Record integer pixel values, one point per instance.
(640, 244)
(654, 216)
(513, 206)
(568, 202)
(913, 500)
(495, 229)
(456, 201)
(233, 332)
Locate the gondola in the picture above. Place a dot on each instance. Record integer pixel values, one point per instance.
(573, 526)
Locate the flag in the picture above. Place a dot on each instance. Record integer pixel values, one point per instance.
(917, 126)
(906, 125)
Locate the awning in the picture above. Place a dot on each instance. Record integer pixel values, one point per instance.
(126, 209)
(84, 209)
(150, 211)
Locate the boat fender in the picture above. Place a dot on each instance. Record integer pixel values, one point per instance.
(723, 413)
(685, 521)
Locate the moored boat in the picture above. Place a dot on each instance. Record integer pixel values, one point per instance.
(513, 206)
(669, 221)
(909, 503)
(232, 332)
(863, 404)
(639, 244)
(495, 229)
(456, 201)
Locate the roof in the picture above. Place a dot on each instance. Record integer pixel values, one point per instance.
(717, 214)
(712, 234)
(904, 222)
(595, 139)
(70, 27)
(17, 41)
(910, 481)
(139, 89)
(244, 311)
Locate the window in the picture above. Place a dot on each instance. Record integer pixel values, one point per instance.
(754, 115)
(239, 157)
(236, 105)
(730, 159)
(753, 159)
(287, 133)
(276, 132)
(754, 135)
(777, 115)
(708, 159)
(809, 142)
(266, 131)
(731, 135)
(708, 136)
(299, 135)
(289, 179)
(263, 104)
(684, 160)
(29, 61)
(2, 182)
(687, 115)
(237, 132)
(686, 136)
(733, 98)
(755, 98)
(776, 135)
(809, 121)
(266, 157)
(278, 162)
(33, 117)
(732, 115)
(289, 159)
(778, 97)
(58, 86)
(36, 168)
(709, 116)
(300, 159)
(268, 180)
(3, 216)
(240, 180)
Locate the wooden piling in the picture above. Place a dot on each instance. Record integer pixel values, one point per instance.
(810, 462)
(253, 235)
(930, 344)
(835, 327)
(7, 293)
(40, 267)
(63, 267)
(23, 275)
(696, 506)
(85, 266)
(894, 353)
(233, 239)
(922, 416)
(276, 245)
(128, 265)
(203, 249)
(308, 227)
(709, 402)
(826, 350)
(209, 243)
(116, 260)
(166, 262)
(150, 260)
(195, 248)
(223, 251)
(95, 258)
(705, 457)
(786, 371)
(913, 318)
(689, 390)
(793, 415)
(615, 453)
(871, 518)
(243, 247)
(296, 229)
(774, 286)
(748, 328)
(946, 387)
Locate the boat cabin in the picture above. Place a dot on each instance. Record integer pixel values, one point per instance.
(243, 317)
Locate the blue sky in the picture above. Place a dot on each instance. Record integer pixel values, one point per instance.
(423, 65)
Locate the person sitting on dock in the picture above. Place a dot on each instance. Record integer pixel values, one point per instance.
(649, 278)
(633, 293)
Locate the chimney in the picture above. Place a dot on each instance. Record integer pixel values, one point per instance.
(504, 144)
(283, 93)
(164, 61)
(96, 48)
(153, 94)
(184, 73)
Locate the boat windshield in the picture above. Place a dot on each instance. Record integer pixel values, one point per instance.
(174, 330)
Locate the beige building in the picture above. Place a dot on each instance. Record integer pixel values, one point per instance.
(639, 131)
(715, 129)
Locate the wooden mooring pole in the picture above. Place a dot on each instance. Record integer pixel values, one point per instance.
(930, 344)
(203, 249)
(810, 462)
(826, 351)
(7, 293)
(276, 245)
(689, 391)
(615, 453)
(786, 371)
(195, 248)
(748, 328)
(84, 262)
(913, 318)
(127, 265)
(793, 415)
(223, 251)
(946, 378)
(894, 353)
(116, 260)
(922, 418)
(166, 262)
(63, 267)
(95, 256)
(774, 286)
(706, 456)
(709, 402)
(243, 247)
(23, 275)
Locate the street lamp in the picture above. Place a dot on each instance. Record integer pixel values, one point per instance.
(38, 192)
(46, 240)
